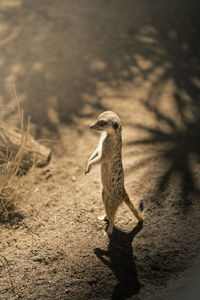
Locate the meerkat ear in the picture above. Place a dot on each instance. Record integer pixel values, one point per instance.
(115, 125)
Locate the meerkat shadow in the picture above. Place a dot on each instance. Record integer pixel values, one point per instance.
(119, 258)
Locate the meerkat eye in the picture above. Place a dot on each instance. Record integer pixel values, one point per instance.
(102, 123)
(115, 125)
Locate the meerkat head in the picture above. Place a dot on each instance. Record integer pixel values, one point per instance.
(108, 121)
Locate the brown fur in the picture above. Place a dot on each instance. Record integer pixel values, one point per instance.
(109, 154)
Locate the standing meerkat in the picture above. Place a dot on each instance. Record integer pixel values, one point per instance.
(109, 154)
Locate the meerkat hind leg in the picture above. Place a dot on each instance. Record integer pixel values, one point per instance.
(111, 212)
(104, 198)
(110, 228)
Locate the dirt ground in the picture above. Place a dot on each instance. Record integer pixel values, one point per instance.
(70, 60)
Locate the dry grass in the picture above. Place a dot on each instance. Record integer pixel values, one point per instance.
(10, 184)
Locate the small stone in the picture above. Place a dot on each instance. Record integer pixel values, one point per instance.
(73, 178)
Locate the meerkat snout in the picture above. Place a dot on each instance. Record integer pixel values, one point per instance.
(99, 125)
(91, 126)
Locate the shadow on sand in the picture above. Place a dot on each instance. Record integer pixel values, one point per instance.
(178, 148)
(119, 258)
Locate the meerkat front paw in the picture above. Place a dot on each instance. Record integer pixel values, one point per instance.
(87, 170)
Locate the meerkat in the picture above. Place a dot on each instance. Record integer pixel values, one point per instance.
(109, 154)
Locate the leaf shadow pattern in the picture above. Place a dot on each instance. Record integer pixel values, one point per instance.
(173, 135)
(179, 148)
(119, 258)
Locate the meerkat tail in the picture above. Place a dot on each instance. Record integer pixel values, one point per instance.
(133, 209)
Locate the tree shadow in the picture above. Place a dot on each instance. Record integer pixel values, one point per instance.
(172, 100)
(119, 258)
(179, 149)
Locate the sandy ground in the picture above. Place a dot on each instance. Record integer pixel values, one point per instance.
(70, 60)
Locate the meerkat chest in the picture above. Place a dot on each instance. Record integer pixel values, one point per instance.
(112, 173)
(109, 148)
